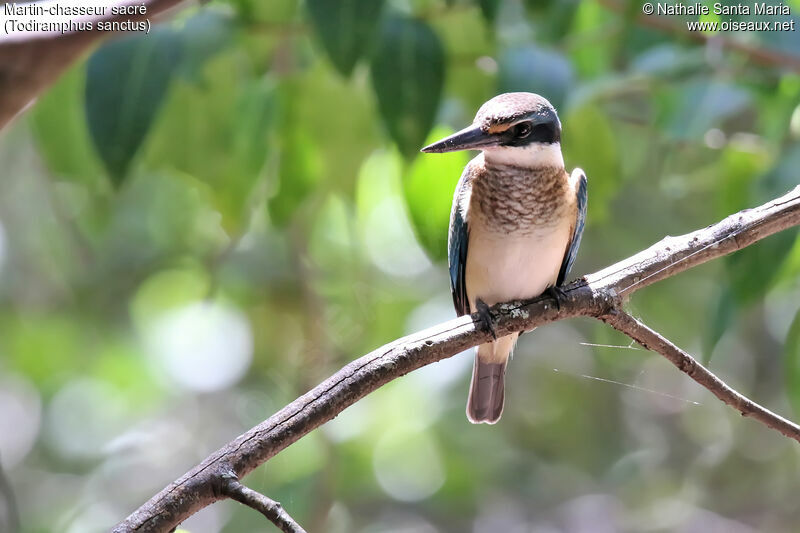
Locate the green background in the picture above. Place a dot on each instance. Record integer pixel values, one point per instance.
(200, 224)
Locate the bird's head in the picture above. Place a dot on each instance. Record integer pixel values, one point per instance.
(520, 129)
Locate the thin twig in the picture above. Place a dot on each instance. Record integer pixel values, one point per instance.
(652, 340)
(273, 510)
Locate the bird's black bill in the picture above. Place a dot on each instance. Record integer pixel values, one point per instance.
(471, 138)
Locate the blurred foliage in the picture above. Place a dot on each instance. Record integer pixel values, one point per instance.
(345, 28)
(407, 75)
(126, 81)
(198, 225)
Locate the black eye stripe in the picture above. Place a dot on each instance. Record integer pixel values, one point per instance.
(526, 132)
(543, 133)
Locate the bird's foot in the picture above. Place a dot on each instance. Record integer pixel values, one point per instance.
(486, 317)
(556, 293)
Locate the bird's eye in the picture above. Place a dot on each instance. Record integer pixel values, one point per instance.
(522, 130)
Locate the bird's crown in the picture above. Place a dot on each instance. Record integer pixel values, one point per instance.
(506, 110)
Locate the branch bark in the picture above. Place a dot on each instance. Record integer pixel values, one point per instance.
(32, 61)
(599, 295)
(654, 341)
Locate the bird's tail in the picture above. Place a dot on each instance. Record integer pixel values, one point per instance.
(487, 391)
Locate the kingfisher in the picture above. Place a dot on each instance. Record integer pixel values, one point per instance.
(515, 226)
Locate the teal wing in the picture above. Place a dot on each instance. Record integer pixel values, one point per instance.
(457, 245)
(572, 249)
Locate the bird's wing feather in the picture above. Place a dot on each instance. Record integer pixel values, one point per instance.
(457, 243)
(580, 222)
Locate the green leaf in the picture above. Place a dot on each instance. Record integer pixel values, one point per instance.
(428, 188)
(532, 69)
(589, 141)
(791, 361)
(346, 29)
(59, 127)
(127, 80)
(552, 18)
(407, 76)
(489, 9)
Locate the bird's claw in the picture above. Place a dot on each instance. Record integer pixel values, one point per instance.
(486, 317)
(556, 293)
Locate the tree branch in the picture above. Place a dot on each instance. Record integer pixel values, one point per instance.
(32, 61)
(598, 295)
(266, 506)
(687, 364)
